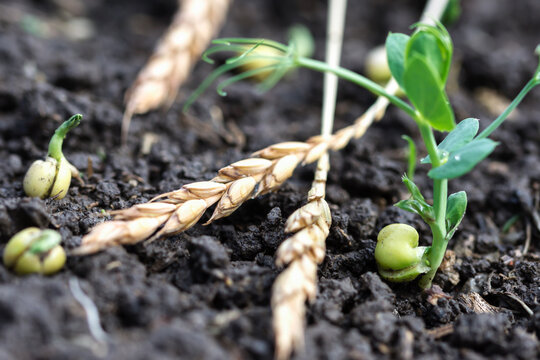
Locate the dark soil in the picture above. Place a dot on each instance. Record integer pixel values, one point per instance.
(204, 294)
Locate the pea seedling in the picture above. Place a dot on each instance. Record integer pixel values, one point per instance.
(420, 64)
(52, 177)
(33, 250)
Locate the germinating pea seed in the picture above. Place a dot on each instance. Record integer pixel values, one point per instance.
(33, 250)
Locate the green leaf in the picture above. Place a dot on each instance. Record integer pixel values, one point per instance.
(413, 190)
(426, 46)
(463, 160)
(395, 53)
(416, 207)
(417, 204)
(457, 138)
(452, 12)
(411, 158)
(434, 45)
(426, 93)
(455, 210)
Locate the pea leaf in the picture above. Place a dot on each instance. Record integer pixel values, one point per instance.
(455, 210)
(463, 160)
(411, 158)
(395, 53)
(426, 46)
(457, 138)
(426, 92)
(416, 207)
(413, 190)
(433, 44)
(417, 204)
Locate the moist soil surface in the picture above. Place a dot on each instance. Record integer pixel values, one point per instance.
(205, 293)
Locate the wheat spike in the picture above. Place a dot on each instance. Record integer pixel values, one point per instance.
(156, 85)
(292, 287)
(302, 252)
(175, 211)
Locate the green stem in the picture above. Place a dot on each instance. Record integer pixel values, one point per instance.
(440, 194)
(356, 79)
(440, 187)
(497, 122)
(55, 145)
(436, 253)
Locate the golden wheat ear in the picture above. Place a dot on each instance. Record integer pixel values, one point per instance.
(176, 211)
(156, 85)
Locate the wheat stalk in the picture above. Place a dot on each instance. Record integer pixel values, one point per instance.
(156, 85)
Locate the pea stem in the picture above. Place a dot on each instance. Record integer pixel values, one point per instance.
(531, 84)
(440, 195)
(355, 79)
(55, 145)
(498, 121)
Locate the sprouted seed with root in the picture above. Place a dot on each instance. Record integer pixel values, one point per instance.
(52, 177)
(35, 251)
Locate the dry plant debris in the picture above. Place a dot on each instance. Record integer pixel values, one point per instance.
(177, 211)
(302, 252)
(156, 85)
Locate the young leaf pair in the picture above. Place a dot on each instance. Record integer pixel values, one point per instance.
(420, 65)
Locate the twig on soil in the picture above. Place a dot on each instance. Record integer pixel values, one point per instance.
(476, 303)
(92, 314)
(441, 331)
(156, 85)
(528, 235)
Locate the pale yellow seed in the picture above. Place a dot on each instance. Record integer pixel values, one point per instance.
(184, 217)
(106, 230)
(252, 166)
(281, 171)
(303, 217)
(191, 211)
(159, 67)
(144, 210)
(282, 149)
(326, 214)
(205, 189)
(141, 228)
(293, 247)
(239, 191)
(284, 168)
(179, 37)
(342, 138)
(316, 152)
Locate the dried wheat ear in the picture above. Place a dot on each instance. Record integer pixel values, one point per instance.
(156, 85)
(301, 252)
(177, 211)
(306, 249)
